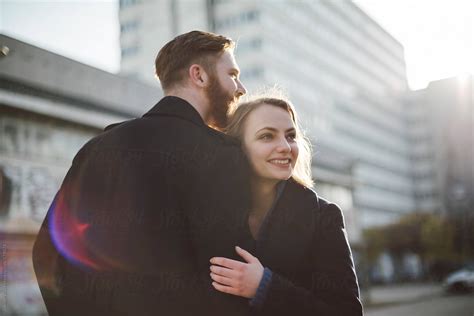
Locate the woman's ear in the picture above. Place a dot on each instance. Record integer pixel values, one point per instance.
(198, 75)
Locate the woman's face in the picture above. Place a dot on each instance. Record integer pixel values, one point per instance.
(269, 142)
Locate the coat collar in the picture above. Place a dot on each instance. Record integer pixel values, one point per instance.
(175, 106)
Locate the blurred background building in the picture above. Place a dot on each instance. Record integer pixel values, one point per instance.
(442, 132)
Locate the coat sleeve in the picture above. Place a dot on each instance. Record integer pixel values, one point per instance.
(334, 288)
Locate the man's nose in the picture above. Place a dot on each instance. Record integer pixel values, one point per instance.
(241, 89)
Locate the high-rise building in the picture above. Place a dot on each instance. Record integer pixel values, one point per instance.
(145, 26)
(442, 119)
(339, 67)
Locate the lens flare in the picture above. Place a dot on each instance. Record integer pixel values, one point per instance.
(83, 235)
(68, 235)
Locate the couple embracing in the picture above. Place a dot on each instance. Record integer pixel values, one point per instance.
(200, 207)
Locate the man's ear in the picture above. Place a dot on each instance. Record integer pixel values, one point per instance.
(198, 76)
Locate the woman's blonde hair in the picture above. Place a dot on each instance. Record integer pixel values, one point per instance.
(235, 128)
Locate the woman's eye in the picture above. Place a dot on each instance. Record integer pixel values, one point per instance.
(291, 137)
(266, 137)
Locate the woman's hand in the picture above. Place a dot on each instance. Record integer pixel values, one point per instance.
(235, 277)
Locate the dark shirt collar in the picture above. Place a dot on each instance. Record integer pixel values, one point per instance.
(175, 106)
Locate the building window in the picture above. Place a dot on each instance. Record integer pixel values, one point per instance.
(5, 192)
(237, 20)
(251, 73)
(249, 45)
(129, 26)
(129, 51)
(126, 3)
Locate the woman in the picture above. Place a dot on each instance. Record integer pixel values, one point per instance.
(297, 257)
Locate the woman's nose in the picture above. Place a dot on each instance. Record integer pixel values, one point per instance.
(283, 146)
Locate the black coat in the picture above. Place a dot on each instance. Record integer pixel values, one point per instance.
(142, 209)
(303, 242)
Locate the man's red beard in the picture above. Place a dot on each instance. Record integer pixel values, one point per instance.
(220, 102)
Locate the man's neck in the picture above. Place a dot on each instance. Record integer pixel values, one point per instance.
(195, 99)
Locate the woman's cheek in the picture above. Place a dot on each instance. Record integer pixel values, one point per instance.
(258, 157)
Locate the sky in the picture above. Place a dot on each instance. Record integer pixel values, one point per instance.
(438, 35)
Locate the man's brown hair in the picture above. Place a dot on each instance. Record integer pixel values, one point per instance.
(195, 47)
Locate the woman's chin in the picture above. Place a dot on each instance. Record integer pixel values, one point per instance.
(282, 176)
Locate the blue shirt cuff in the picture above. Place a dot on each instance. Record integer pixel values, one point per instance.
(259, 298)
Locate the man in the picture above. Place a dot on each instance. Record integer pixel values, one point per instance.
(148, 202)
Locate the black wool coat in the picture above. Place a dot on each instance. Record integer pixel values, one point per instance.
(142, 209)
(303, 242)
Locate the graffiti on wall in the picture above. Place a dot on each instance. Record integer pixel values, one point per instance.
(34, 157)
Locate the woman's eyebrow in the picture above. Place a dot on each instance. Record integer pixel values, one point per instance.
(269, 128)
(291, 129)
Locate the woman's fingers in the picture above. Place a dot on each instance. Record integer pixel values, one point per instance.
(228, 263)
(229, 273)
(225, 289)
(235, 277)
(222, 280)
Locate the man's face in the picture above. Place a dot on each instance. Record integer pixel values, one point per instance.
(224, 89)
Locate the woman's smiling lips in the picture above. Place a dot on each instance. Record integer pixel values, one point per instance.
(280, 162)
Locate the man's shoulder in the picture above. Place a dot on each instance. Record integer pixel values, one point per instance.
(168, 136)
(175, 127)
